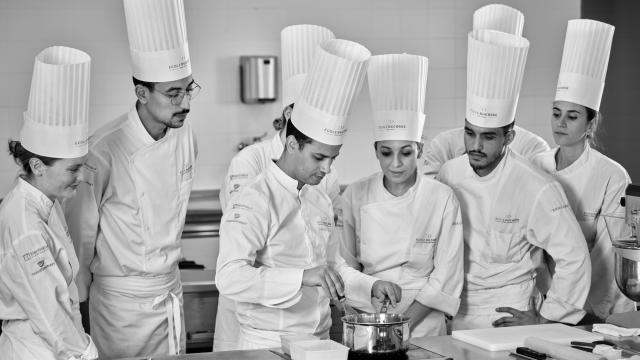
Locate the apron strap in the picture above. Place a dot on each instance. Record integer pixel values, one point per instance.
(172, 306)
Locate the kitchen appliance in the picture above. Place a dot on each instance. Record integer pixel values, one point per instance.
(380, 333)
(258, 79)
(623, 232)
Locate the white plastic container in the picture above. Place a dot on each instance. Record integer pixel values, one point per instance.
(287, 340)
(319, 350)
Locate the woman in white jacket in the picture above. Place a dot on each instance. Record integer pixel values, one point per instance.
(401, 226)
(38, 264)
(593, 182)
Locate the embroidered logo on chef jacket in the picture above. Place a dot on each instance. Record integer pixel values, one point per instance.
(507, 219)
(241, 207)
(38, 260)
(325, 223)
(32, 254)
(238, 176)
(425, 243)
(187, 172)
(427, 239)
(236, 218)
(558, 208)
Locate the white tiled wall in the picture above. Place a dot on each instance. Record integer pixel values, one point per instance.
(221, 30)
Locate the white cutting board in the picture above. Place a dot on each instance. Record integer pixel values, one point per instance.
(509, 338)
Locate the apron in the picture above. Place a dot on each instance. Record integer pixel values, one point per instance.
(392, 236)
(225, 337)
(137, 316)
(141, 315)
(253, 339)
(477, 307)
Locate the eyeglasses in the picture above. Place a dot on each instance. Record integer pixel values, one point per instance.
(192, 92)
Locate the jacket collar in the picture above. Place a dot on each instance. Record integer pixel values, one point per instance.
(139, 132)
(495, 174)
(277, 147)
(36, 197)
(286, 181)
(576, 165)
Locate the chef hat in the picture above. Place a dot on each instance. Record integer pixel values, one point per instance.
(157, 39)
(334, 81)
(57, 116)
(495, 65)
(299, 44)
(584, 62)
(500, 18)
(397, 87)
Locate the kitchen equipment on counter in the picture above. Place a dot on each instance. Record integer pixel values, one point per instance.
(509, 338)
(318, 350)
(559, 351)
(626, 243)
(287, 340)
(383, 334)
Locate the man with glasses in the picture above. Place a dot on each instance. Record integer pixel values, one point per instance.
(127, 219)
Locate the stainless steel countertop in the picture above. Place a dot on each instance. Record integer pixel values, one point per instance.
(203, 214)
(223, 355)
(444, 345)
(198, 280)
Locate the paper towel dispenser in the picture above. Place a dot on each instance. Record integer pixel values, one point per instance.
(258, 79)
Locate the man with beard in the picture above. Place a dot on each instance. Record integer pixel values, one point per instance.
(450, 144)
(511, 211)
(127, 220)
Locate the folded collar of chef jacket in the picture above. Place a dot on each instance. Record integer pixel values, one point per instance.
(287, 182)
(42, 202)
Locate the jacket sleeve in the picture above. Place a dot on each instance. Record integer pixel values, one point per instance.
(434, 155)
(554, 228)
(244, 231)
(241, 170)
(82, 213)
(29, 270)
(346, 235)
(534, 146)
(357, 284)
(605, 298)
(444, 284)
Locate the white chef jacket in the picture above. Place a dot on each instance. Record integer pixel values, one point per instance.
(450, 144)
(126, 223)
(414, 240)
(508, 216)
(244, 167)
(594, 185)
(38, 297)
(270, 233)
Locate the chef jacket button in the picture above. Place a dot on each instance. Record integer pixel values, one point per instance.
(141, 195)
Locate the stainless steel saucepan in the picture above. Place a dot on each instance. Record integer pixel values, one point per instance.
(379, 333)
